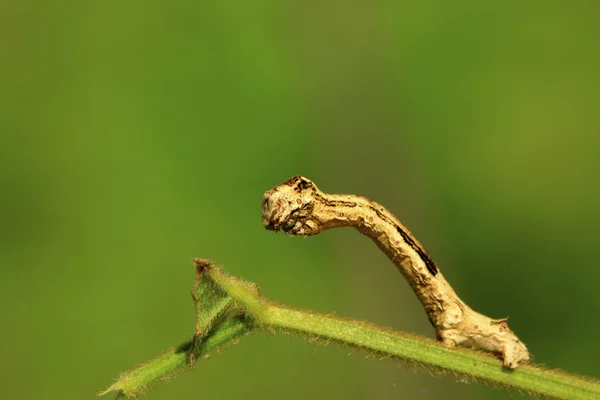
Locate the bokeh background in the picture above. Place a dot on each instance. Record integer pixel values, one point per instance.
(137, 135)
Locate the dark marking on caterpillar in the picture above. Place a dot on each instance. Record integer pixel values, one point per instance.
(429, 263)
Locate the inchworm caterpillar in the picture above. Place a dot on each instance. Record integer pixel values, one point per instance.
(299, 208)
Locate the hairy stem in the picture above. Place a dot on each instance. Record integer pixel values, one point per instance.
(423, 352)
(249, 310)
(461, 362)
(136, 381)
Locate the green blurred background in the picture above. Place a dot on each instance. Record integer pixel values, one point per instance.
(137, 135)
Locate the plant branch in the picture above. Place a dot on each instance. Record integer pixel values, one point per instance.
(461, 362)
(137, 380)
(233, 307)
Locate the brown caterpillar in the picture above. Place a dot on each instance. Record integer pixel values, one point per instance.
(298, 207)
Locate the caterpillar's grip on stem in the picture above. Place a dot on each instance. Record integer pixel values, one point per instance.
(298, 207)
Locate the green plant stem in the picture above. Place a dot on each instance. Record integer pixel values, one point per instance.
(427, 353)
(249, 310)
(133, 382)
(461, 362)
